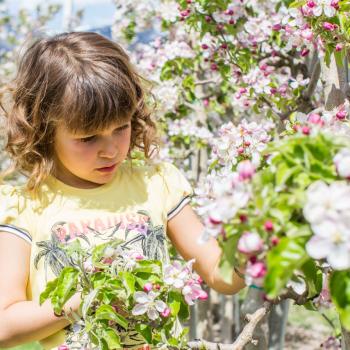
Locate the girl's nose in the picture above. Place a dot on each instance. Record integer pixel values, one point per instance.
(109, 148)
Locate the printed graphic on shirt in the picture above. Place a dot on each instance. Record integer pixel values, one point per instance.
(138, 234)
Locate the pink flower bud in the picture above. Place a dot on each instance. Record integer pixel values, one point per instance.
(231, 21)
(240, 150)
(315, 118)
(214, 221)
(328, 26)
(263, 67)
(304, 52)
(203, 295)
(276, 27)
(206, 102)
(307, 34)
(256, 270)
(220, 27)
(273, 91)
(214, 66)
(247, 143)
(268, 226)
(229, 12)
(282, 89)
(250, 242)
(341, 114)
(205, 46)
(305, 130)
(274, 240)
(224, 46)
(207, 19)
(166, 312)
(148, 287)
(199, 280)
(311, 4)
(335, 4)
(338, 47)
(245, 170)
(242, 90)
(243, 218)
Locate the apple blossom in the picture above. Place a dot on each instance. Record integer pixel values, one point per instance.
(147, 303)
(331, 240)
(342, 162)
(250, 242)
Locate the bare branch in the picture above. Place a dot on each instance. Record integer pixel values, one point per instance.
(315, 76)
(204, 82)
(244, 338)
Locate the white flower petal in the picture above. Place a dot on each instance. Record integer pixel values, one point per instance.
(141, 297)
(139, 309)
(160, 305)
(152, 314)
(339, 257)
(318, 247)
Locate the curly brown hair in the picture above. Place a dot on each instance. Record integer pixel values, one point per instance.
(81, 79)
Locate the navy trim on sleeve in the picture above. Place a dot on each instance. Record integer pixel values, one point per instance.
(16, 231)
(178, 208)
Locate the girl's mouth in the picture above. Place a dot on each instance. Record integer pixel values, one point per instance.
(107, 169)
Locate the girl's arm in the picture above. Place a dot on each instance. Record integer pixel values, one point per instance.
(184, 230)
(22, 321)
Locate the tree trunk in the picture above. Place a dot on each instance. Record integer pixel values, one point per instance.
(277, 325)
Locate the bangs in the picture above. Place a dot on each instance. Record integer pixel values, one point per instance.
(92, 102)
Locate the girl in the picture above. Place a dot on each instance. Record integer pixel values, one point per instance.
(78, 111)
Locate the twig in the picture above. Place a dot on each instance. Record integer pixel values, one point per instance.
(244, 338)
(315, 76)
(208, 81)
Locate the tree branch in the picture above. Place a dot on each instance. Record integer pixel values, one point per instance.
(315, 76)
(244, 338)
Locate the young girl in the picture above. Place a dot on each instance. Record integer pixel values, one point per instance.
(78, 110)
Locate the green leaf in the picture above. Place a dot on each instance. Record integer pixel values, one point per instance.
(66, 287)
(313, 277)
(297, 3)
(228, 259)
(339, 286)
(106, 312)
(184, 312)
(282, 261)
(47, 293)
(128, 281)
(87, 301)
(174, 301)
(145, 331)
(284, 172)
(112, 338)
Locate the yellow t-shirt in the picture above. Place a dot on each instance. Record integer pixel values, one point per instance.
(135, 206)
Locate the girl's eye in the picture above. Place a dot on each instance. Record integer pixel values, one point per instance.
(123, 128)
(88, 139)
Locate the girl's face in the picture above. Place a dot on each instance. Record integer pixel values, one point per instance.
(88, 161)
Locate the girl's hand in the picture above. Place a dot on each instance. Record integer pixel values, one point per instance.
(73, 304)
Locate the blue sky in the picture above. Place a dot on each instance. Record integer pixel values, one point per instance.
(97, 12)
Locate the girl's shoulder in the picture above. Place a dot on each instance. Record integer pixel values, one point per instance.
(16, 211)
(171, 184)
(13, 197)
(163, 170)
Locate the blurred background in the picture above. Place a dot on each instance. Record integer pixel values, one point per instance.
(23, 18)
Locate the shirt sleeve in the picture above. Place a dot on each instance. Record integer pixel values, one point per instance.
(178, 191)
(12, 208)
